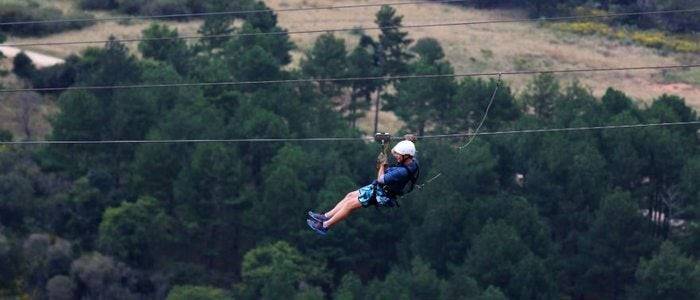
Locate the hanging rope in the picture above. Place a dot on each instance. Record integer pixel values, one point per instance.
(473, 136)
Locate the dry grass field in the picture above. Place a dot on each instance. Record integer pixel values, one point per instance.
(511, 46)
(475, 48)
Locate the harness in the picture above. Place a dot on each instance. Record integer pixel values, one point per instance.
(393, 195)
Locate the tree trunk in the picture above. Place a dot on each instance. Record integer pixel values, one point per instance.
(353, 108)
(377, 107)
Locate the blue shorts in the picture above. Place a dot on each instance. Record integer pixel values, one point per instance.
(365, 196)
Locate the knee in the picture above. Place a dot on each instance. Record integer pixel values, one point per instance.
(353, 204)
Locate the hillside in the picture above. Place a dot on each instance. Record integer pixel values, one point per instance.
(254, 189)
(477, 48)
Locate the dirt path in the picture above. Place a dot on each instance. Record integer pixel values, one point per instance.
(40, 60)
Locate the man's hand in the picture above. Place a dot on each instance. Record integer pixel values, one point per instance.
(410, 137)
(382, 159)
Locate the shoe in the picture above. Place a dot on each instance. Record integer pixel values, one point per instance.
(318, 217)
(317, 226)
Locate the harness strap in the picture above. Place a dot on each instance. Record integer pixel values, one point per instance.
(414, 178)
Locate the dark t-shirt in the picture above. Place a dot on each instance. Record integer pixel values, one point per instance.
(396, 178)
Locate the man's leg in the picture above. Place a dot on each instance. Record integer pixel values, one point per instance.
(342, 203)
(349, 205)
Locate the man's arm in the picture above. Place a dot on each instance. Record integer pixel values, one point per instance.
(380, 173)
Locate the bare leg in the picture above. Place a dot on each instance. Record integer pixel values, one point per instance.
(340, 204)
(349, 206)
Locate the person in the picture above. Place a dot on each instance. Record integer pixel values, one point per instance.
(383, 191)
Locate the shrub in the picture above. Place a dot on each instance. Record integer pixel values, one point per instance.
(585, 28)
(5, 136)
(30, 10)
(98, 4)
(167, 7)
(648, 38)
(196, 293)
(23, 65)
(147, 7)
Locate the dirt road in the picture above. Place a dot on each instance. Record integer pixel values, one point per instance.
(40, 60)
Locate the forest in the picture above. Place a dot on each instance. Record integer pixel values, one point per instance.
(599, 214)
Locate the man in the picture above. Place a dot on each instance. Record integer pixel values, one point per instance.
(388, 186)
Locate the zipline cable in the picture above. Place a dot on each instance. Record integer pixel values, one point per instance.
(346, 79)
(340, 139)
(227, 13)
(466, 23)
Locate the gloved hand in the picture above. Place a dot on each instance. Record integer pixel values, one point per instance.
(382, 159)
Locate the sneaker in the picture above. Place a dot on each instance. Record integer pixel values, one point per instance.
(318, 217)
(317, 226)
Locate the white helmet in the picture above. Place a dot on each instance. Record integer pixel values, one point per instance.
(405, 148)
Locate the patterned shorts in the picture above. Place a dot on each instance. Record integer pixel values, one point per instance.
(380, 198)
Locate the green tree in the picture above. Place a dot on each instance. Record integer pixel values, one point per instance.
(616, 242)
(616, 102)
(495, 253)
(421, 102)
(418, 282)
(667, 275)
(77, 213)
(218, 26)
(361, 63)
(282, 191)
(393, 43)
(309, 293)
(461, 285)
(266, 21)
(208, 204)
(277, 270)
(102, 115)
(5, 135)
(101, 277)
(428, 49)
(60, 287)
(10, 260)
(188, 292)
(277, 46)
(152, 174)
(470, 101)
(390, 50)
(17, 191)
(624, 153)
(492, 293)
(23, 66)
(533, 280)
(350, 288)
(692, 191)
(44, 257)
(577, 107)
(326, 59)
(161, 43)
(134, 232)
(542, 94)
(112, 65)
